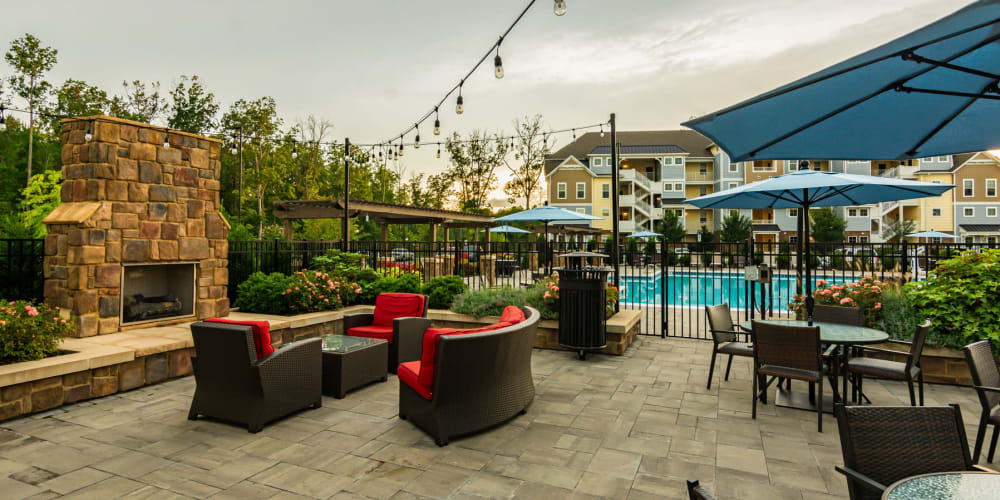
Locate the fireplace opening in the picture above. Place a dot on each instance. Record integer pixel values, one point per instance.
(157, 291)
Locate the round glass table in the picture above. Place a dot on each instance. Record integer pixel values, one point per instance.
(969, 485)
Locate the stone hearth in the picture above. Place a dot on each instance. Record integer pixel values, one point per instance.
(127, 200)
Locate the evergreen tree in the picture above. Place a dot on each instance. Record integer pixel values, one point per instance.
(827, 226)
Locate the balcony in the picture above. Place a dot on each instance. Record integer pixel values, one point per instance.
(626, 200)
(630, 175)
(698, 177)
(643, 207)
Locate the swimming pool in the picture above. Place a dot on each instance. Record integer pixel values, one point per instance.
(700, 288)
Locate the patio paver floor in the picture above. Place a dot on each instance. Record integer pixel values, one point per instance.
(634, 426)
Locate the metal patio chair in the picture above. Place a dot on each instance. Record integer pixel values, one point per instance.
(986, 380)
(725, 338)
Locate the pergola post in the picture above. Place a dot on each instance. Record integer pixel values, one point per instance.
(288, 230)
(434, 232)
(384, 245)
(488, 239)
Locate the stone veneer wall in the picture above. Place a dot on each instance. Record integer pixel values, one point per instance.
(135, 202)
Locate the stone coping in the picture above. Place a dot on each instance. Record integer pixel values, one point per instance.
(112, 119)
(622, 322)
(84, 356)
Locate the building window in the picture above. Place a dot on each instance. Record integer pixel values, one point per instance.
(968, 188)
(991, 211)
(605, 212)
(733, 185)
(598, 162)
(561, 191)
(793, 212)
(991, 188)
(942, 158)
(793, 165)
(734, 166)
(862, 212)
(581, 210)
(793, 239)
(581, 190)
(763, 166)
(702, 169)
(864, 239)
(702, 191)
(852, 212)
(734, 212)
(969, 211)
(678, 161)
(606, 190)
(702, 218)
(935, 212)
(852, 239)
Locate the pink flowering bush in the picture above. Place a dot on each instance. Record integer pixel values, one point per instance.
(29, 332)
(311, 291)
(866, 294)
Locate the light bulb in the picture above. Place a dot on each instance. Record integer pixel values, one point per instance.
(437, 126)
(460, 105)
(400, 148)
(233, 150)
(602, 130)
(439, 151)
(416, 140)
(498, 67)
(166, 141)
(295, 150)
(88, 136)
(559, 8)
(3, 121)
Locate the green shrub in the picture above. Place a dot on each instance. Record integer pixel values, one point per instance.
(489, 301)
(264, 293)
(837, 260)
(684, 259)
(312, 291)
(784, 259)
(706, 258)
(899, 318)
(29, 332)
(441, 291)
(404, 283)
(339, 263)
(959, 297)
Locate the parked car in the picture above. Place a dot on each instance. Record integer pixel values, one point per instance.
(401, 255)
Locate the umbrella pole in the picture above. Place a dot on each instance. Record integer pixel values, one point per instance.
(548, 257)
(810, 301)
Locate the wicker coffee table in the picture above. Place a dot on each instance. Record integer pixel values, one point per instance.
(351, 362)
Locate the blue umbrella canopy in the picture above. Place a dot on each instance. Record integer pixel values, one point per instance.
(818, 189)
(546, 214)
(508, 230)
(644, 234)
(931, 92)
(932, 234)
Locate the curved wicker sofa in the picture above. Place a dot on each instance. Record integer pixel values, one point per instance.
(480, 379)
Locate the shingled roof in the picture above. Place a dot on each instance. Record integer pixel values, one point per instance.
(688, 141)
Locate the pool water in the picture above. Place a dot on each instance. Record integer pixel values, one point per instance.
(700, 289)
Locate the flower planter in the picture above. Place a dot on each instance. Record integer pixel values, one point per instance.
(941, 365)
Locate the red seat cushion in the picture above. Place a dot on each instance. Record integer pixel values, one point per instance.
(428, 357)
(261, 333)
(409, 374)
(372, 331)
(512, 315)
(389, 306)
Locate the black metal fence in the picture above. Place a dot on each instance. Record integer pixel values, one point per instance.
(21, 269)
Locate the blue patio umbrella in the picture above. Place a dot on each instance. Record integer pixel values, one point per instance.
(931, 92)
(644, 234)
(508, 230)
(805, 189)
(932, 234)
(546, 214)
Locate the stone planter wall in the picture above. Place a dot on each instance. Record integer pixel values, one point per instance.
(941, 365)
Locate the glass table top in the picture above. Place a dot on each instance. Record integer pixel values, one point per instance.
(834, 333)
(346, 343)
(944, 486)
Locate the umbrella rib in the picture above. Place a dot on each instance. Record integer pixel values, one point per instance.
(943, 124)
(762, 98)
(835, 191)
(894, 85)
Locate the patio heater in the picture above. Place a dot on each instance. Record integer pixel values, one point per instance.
(582, 292)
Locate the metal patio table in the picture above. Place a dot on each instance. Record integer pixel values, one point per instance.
(844, 336)
(351, 362)
(967, 485)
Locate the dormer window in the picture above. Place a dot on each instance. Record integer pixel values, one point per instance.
(598, 161)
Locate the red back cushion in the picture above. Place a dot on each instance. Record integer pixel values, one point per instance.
(389, 306)
(512, 315)
(428, 357)
(261, 333)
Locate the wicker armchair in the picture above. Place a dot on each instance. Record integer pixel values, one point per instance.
(696, 492)
(478, 380)
(792, 353)
(725, 338)
(405, 334)
(233, 385)
(859, 367)
(882, 445)
(986, 380)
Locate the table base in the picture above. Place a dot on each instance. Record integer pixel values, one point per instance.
(343, 372)
(800, 400)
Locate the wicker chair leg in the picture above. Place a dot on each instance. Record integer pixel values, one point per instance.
(920, 384)
(980, 436)
(993, 443)
(913, 397)
(819, 406)
(729, 364)
(711, 369)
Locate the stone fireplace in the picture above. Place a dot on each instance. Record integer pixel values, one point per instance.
(138, 238)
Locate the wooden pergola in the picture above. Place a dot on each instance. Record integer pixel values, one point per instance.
(383, 213)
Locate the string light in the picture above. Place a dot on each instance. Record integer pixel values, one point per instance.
(234, 150)
(602, 130)
(88, 136)
(416, 140)
(559, 8)
(166, 139)
(574, 134)
(460, 103)
(498, 62)
(3, 121)
(295, 149)
(437, 122)
(401, 147)
(439, 150)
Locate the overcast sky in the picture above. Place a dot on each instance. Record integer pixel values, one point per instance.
(373, 67)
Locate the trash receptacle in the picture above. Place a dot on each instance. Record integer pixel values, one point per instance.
(582, 323)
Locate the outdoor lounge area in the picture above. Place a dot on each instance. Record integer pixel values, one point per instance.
(632, 426)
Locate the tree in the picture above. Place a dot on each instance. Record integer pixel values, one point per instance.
(736, 227)
(899, 228)
(258, 119)
(40, 198)
(77, 98)
(705, 239)
(474, 162)
(312, 131)
(670, 227)
(139, 103)
(193, 108)
(827, 226)
(30, 61)
(530, 149)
